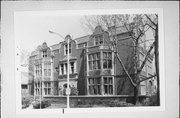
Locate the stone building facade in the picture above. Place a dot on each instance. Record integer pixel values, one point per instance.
(94, 69)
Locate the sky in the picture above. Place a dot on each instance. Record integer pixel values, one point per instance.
(33, 30)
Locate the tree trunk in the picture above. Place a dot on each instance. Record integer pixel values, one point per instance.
(136, 95)
(157, 63)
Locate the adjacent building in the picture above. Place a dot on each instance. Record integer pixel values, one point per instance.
(94, 66)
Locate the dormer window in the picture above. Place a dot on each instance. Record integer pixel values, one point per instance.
(44, 54)
(99, 40)
(66, 49)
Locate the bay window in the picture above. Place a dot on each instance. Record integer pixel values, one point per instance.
(100, 85)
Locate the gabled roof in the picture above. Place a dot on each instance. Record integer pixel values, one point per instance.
(98, 30)
(82, 39)
(119, 30)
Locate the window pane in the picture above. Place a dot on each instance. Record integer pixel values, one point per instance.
(49, 91)
(66, 67)
(94, 57)
(91, 90)
(95, 90)
(98, 56)
(49, 72)
(90, 65)
(94, 65)
(99, 89)
(96, 41)
(90, 81)
(98, 64)
(90, 57)
(104, 55)
(104, 64)
(110, 89)
(110, 80)
(105, 80)
(105, 89)
(101, 39)
(109, 63)
(49, 84)
(98, 80)
(69, 48)
(109, 55)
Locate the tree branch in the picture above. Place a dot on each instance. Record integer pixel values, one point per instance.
(150, 26)
(150, 20)
(144, 62)
(117, 55)
(131, 80)
(147, 78)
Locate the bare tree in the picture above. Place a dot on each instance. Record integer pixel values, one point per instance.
(152, 22)
(136, 25)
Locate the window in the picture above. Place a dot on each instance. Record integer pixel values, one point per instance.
(24, 86)
(150, 87)
(65, 72)
(38, 70)
(107, 60)
(66, 49)
(98, 40)
(37, 88)
(108, 85)
(94, 61)
(47, 88)
(94, 86)
(44, 54)
(71, 67)
(63, 68)
(47, 69)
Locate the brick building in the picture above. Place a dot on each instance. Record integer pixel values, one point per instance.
(94, 68)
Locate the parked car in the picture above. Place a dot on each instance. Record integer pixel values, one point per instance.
(44, 104)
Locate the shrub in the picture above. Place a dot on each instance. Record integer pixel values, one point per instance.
(44, 103)
(118, 103)
(153, 101)
(26, 100)
(74, 91)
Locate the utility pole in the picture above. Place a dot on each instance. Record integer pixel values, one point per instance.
(68, 89)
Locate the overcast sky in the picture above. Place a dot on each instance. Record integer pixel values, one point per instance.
(33, 30)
